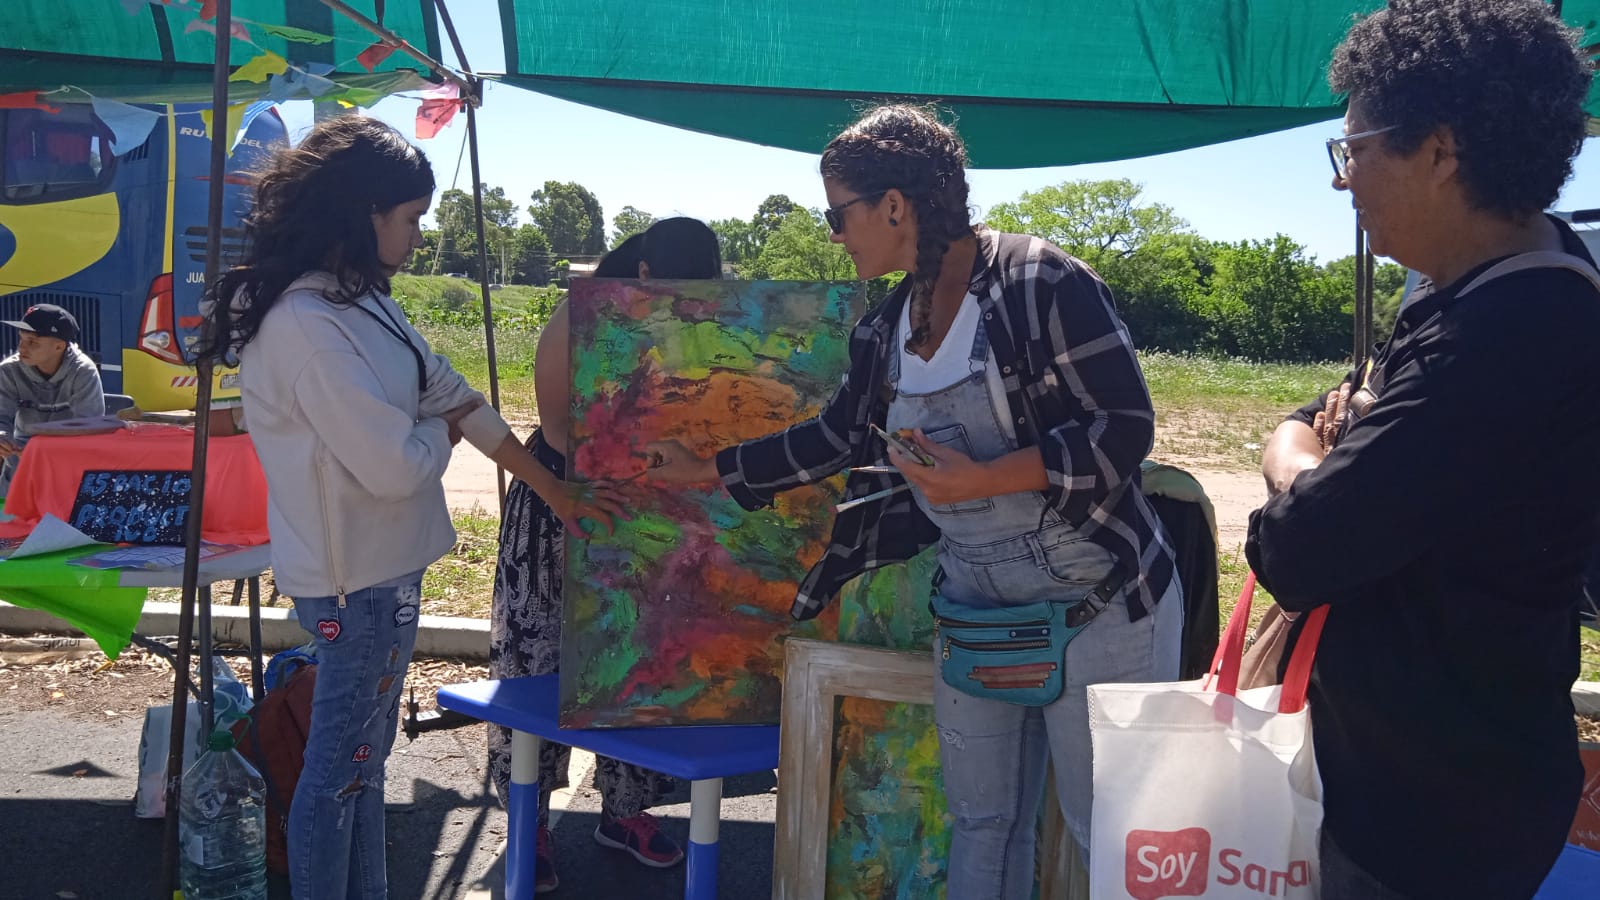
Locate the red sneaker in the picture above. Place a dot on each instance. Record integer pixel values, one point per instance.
(544, 864)
(640, 836)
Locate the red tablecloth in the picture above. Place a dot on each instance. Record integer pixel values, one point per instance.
(51, 468)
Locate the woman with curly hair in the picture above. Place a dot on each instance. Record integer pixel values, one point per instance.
(1024, 416)
(1443, 501)
(354, 419)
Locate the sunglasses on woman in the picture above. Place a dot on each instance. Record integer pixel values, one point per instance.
(835, 214)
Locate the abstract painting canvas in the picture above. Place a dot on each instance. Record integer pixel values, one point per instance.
(888, 827)
(888, 830)
(677, 617)
(822, 680)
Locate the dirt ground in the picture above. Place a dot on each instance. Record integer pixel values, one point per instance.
(91, 687)
(470, 481)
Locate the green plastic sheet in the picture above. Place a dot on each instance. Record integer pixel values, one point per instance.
(88, 599)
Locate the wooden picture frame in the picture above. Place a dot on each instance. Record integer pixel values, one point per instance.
(816, 675)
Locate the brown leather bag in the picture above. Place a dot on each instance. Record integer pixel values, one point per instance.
(1263, 653)
(273, 738)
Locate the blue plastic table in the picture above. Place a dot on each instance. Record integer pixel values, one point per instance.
(701, 754)
(1576, 876)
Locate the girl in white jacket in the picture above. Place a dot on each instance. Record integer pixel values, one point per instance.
(354, 419)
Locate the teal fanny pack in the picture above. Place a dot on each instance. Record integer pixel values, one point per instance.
(1015, 654)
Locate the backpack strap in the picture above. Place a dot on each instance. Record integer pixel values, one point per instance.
(1538, 259)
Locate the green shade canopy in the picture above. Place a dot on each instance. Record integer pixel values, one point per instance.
(1033, 82)
(153, 53)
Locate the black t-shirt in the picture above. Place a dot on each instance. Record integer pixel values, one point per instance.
(1448, 531)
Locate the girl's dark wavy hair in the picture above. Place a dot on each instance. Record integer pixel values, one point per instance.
(681, 247)
(909, 149)
(313, 208)
(622, 261)
(1506, 77)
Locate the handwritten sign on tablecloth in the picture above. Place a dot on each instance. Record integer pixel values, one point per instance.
(133, 507)
(52, 468)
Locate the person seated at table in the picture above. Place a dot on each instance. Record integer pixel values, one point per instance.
(525, 616)
(354, 418)
(48, 379)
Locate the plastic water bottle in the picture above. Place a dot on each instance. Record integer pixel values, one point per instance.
(222, 826)
(230, 698)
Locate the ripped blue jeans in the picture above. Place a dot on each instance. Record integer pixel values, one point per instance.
(336, 837)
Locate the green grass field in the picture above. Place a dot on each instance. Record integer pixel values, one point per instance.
(1219, 412)
(430, 288)
(462, 582)
(514, 350)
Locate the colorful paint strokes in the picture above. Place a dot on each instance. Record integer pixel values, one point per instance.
(888, 831)
(677, 617)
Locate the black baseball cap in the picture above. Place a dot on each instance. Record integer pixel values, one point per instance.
(49, 320)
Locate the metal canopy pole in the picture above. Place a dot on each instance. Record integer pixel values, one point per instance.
(404, 46)
(476, 87)
(220, 138)
(1369, 265)
(1363, 304)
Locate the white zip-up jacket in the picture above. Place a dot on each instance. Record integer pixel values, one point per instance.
(354, 456)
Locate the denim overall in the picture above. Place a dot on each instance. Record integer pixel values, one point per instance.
(1011, 549)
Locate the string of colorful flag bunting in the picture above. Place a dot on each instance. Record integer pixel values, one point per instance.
(130, 125)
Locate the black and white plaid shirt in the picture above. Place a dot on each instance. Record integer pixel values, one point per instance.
(1075, 391)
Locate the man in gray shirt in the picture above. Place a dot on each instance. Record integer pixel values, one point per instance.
(48, 379)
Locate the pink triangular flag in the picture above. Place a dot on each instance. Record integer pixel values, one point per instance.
(434, 114)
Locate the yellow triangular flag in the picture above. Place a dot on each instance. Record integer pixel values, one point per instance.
(257, 70)
(235, 116)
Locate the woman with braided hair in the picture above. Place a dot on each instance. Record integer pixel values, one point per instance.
(1020, 417)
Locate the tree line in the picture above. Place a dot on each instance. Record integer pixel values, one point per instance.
(1259, 299)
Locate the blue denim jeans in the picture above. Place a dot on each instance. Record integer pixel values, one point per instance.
(336, 840)
(994, 754)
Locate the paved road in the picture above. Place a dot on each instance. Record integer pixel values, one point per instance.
(67, 830)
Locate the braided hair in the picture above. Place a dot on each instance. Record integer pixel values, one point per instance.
(907, 148)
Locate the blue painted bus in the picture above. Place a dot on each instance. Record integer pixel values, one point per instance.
(119, 239)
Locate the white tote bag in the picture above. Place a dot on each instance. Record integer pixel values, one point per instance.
(1204, 790)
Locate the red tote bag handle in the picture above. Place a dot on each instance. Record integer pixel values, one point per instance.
(1226, 664)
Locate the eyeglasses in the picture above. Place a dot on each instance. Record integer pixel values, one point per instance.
(1339, 149)
(834, 214)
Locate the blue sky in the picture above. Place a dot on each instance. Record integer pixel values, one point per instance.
(1251, 188)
